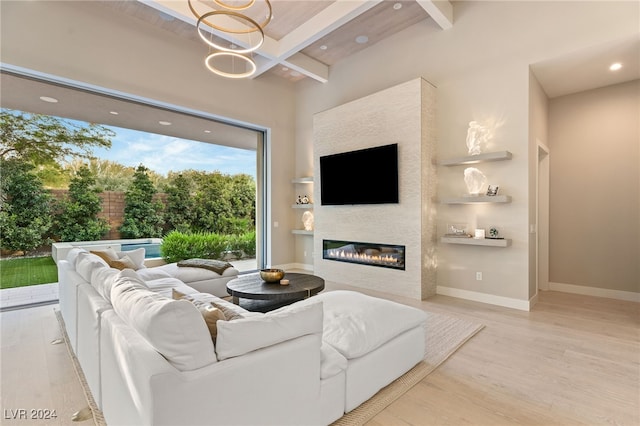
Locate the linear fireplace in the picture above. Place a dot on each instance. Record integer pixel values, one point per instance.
(374, 254)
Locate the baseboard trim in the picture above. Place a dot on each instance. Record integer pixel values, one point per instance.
(595, 291)
(507, 302)
(290, 266)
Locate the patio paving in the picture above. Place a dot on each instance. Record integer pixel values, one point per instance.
(20, 297)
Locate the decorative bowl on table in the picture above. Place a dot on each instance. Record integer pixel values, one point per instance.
(271, 275)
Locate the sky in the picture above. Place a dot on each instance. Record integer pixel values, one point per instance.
(166, 153)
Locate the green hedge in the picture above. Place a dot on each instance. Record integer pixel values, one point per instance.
(177, 246)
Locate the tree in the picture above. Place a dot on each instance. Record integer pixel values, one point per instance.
(43, 139)
(142, 215)
(78, 218)
(179, 208)
(25, 207)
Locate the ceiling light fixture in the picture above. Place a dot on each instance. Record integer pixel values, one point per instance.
(49, 99)
(220, 15)
(615, 67)
(362, 39)
(164, 123)
(397, 6)
(113, 112)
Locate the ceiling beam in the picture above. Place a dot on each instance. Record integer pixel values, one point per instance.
(440, 11)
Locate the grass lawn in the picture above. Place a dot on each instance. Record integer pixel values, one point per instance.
(28, 271)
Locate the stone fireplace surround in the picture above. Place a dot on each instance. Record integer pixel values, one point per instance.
(403, 114)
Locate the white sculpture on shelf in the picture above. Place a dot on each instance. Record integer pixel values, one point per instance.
(307, 220)
(475, 180)
(477, 136)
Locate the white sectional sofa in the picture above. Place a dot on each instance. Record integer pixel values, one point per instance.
(149, 357)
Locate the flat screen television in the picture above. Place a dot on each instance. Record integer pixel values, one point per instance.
(366, 176)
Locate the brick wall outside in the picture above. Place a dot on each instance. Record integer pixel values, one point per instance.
(112, 208)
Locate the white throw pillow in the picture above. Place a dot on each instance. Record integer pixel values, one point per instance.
(137, 256)
(86, 263)
(241, 336)
(173, 327)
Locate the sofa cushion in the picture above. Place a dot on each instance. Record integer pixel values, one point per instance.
(173, 327)
(86, 263)
(331, 362)
(241, 336)
(72, 255)
(102, 280)
(356, 324)
(163, 284)
(148, 274)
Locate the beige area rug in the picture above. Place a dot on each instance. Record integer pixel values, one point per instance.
(444, 335)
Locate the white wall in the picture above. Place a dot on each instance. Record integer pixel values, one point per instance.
(86, 42)
(481, 73)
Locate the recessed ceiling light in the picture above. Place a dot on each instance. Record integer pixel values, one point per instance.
(295, 74)
(49, 99)
(285, 69)
(323, 47)
(616, 66)
(397, 6)
(113, 112)
(165, 123)
(362, 39)
(207, 131)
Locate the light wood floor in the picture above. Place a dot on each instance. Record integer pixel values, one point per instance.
(573, 360)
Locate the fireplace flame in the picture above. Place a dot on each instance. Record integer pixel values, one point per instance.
(362, 257)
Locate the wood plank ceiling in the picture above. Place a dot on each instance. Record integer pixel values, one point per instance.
(305, 37)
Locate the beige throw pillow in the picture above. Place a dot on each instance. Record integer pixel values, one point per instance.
(124, 262)
(210, 313)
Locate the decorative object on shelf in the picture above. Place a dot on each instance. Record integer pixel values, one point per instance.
(303, 200)
(475, 180)
(284, 282)
(307, 220)
(477, 136)
(492, 190)
(457, 230)
(271, 275)
(240, 33)
(494, 234)
(479, 234)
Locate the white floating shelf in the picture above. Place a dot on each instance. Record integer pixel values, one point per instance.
(477, 242)
(480, 158)
(302, 206)
(301, 232)
(307, 179)
(500, 199)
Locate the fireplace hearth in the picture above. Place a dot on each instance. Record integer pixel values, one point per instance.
(372, 254)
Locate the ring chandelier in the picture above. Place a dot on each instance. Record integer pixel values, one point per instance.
(247, 25)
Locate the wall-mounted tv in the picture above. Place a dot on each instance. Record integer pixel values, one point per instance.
(366, 176)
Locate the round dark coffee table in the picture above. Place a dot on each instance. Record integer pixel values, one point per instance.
(253, 294)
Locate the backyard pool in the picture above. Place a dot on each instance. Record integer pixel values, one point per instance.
(151, 250)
